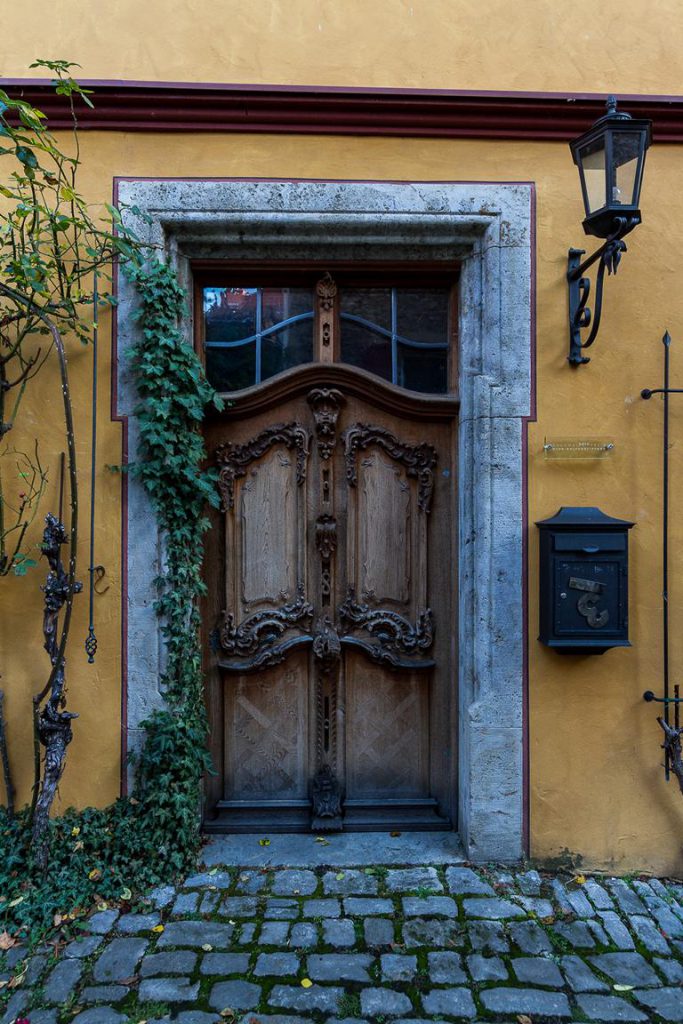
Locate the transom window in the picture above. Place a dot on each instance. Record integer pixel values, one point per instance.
(400, 330)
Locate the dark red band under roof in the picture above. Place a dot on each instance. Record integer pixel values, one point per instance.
(435, 113)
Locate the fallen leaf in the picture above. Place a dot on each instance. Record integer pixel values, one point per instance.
(322, 840)
(3, 984)
(75, 831)
(95, 875)
(394, 835)
(78, 846)
(228, 1014)
(57, 920)
(126, 894)
(102, 906)
(523, 1019)
(306, 983)
(580, 879)
(264, 842)
(132, 980)
(340, 876)
(6, 940)
(16, 980)
(212, 888)
(207, 947)
(623, 988)
(17, 901)
(213, 871)
(158, 928)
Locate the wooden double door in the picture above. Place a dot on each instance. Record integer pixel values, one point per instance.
(329, 618)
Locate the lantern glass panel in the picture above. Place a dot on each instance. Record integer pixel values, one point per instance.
(625, 157)
(592, 163)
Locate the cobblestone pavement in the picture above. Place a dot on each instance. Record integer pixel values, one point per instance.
(401, 945)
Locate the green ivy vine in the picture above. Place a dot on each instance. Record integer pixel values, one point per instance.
(109, 856)
(174, 395)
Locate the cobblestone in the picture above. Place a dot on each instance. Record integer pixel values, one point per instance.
(464, 881)
(446, 969)
(626, 969)
(580, 977)
(378, 931)
(608, 1008)
(133, 924)
(119, 959)
(276, 965)
(527, 1001)
(349, 883)
(375, 1002)
(235, 995)
(534, 970)
(413, 878)
(486, 968)
(649, 935)
(180, 961)
(294, 883)
(530, 937)
(83, 947)
(352, 946)
(339, 967)
(398, 967)
(62, 981)
(498, 910)
(168, 990)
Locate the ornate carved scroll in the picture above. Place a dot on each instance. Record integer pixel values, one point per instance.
(264, 627)
(326, 291)
(326, 543)
(235, 459)
(326, 797)
(326, 404)
(419, 460)
(391, 629)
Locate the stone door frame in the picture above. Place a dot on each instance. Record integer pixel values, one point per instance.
(488, 229)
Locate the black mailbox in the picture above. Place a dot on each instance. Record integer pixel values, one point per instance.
(584, 581)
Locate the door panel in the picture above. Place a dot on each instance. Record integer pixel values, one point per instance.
(329, 616)
(266, 749)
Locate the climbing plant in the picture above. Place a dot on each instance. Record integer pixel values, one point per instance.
(102, 855)
(174, 395)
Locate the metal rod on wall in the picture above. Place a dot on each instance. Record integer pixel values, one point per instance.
(91, 639)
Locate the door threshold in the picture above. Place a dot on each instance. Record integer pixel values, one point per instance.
(343, 849)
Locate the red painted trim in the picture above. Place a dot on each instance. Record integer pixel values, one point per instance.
(531, 418)
(123, 420)
(137, 106)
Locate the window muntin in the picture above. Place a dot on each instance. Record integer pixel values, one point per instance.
(398, 332)
(401, 334)
(251, 334)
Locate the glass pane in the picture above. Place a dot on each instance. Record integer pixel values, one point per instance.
(231, 369)
(281, 303)
(373, 304)
(592, 158)
(422, 370)
(365, 348)
(287, 347)
(422, 313)
(625, 152)
(229, 313)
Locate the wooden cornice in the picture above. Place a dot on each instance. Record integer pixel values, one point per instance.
(426, 113)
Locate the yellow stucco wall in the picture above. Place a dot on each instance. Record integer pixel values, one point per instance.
(583, 46)
(596, 784)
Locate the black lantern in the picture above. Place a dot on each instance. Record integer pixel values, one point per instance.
(610, 157)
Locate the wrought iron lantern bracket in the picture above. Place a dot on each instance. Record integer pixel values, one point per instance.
(580, 315)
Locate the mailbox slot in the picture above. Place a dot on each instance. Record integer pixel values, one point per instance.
(584, 581)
